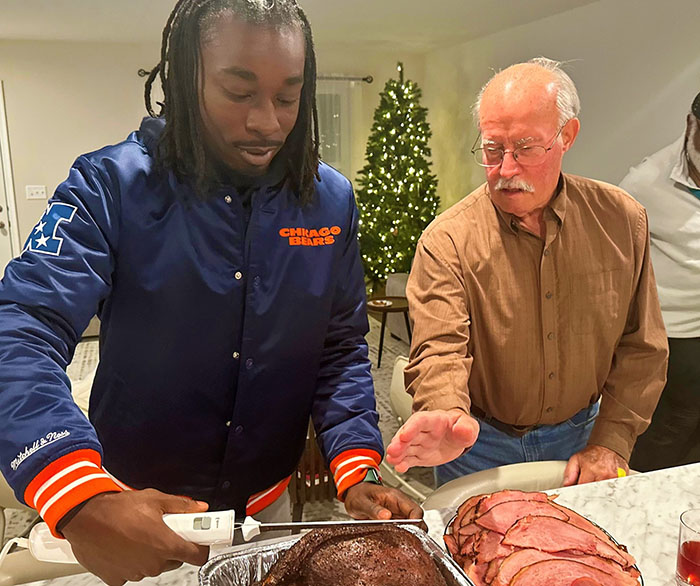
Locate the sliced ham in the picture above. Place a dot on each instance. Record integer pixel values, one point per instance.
(467, 530)
(451, 544)
(467, 510)
(562, 573)
(504, 496)
(469, 503)
(586, 525)
(549, 534)
(511, 565)
(476, 573)
(497, 537)
(467, 546)
(501, 517)
(489, 546)
(494, 566)
(468, 516)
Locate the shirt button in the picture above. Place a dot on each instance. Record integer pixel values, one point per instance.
(238, 430)
(550, 336)
(546, 252)
(236, 355)
(548, 294)
(228, 199)
(249, 363)
(551, 375)
(238, 275)
(550, 409)
(225, 485)
(228, 423)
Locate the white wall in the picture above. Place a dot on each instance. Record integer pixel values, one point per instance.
(65, 99)
(636, 64)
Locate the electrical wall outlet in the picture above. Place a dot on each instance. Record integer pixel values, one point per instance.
(36, 191)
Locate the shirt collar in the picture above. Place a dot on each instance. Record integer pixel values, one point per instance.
(274, 175)
(557, 206)
(680, 172)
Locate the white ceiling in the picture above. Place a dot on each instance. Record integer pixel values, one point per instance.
(411, 25)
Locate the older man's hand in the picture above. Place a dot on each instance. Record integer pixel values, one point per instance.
(431, 438)
(593, 463)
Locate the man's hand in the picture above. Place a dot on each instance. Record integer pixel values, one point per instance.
(431, 438)
(593, 463)
(373, 501)
(121, 536)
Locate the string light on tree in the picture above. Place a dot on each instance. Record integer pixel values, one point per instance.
(396, 193)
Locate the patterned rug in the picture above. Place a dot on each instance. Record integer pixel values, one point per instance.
(421, 479)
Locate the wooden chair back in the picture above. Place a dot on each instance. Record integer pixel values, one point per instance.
(312, 481)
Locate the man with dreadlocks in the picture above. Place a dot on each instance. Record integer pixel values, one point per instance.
(221, 257)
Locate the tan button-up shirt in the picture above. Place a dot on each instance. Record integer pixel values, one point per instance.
(533, 330)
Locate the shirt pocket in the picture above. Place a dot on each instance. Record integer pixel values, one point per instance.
(595, 300)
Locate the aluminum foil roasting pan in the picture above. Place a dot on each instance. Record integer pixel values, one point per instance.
(246, 567)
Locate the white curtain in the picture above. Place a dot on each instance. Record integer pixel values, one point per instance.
(333, 98)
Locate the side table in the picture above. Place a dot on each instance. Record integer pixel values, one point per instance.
(385, 306)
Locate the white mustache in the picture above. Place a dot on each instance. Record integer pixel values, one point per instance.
(514, 184)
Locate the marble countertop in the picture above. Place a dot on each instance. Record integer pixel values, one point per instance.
(641, 511)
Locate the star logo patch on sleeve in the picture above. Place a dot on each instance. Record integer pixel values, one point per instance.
(43, 237)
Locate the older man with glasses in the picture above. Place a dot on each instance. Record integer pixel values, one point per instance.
(537, 328)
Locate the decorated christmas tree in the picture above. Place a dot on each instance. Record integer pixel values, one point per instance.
(396, 190)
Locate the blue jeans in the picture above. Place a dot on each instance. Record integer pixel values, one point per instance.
(494, 448)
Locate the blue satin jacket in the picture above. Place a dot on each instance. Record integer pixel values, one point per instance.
(217, 341)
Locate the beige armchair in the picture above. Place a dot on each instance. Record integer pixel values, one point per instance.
(19, 567)
(7, 501)
(402, 407)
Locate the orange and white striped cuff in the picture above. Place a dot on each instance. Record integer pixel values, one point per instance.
(67, 482)
(264, 498)
(350, 467)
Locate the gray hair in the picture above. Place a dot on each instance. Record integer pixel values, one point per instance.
(568, 102)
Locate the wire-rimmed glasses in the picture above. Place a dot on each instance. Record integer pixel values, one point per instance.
(492, 155)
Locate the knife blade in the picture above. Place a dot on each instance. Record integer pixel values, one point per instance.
(254, 527)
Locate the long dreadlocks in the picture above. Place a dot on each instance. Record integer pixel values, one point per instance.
(182, 145)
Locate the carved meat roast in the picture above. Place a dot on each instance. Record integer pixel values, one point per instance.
(356, 556)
